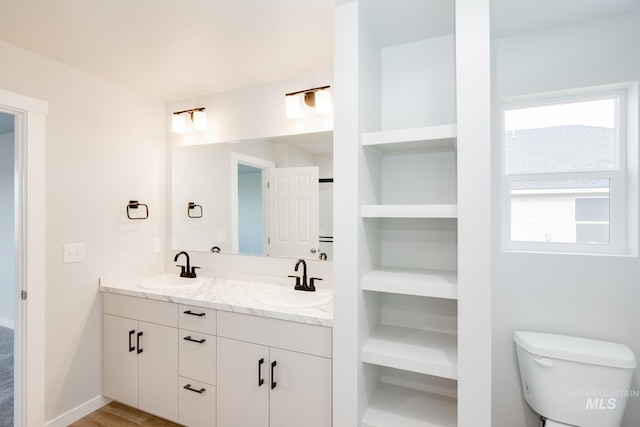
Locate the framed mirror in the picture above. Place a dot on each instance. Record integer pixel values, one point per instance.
(265, 197)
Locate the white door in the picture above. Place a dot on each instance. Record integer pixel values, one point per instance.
(243, 384)
(302, 392)
(158, 370)
(302, 395)
(294, 212)
(120, 364)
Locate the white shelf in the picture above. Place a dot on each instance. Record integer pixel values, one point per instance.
(393, 406)
(415, 350)
(409, 211)
(412, 281)
(430, 137)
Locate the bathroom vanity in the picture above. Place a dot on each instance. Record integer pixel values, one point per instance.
(212, 354)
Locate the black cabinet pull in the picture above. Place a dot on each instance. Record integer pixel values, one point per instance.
(260, 379)
(188, 387)
(138, 342)
(131, 348)
(200, 341)
(273, 376)
(194, 314)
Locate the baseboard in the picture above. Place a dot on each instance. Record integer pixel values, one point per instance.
(78, 412)
(7, 323)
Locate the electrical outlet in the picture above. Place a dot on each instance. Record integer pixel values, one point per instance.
(222, 236)
(73, 252)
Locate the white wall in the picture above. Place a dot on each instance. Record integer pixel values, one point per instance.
(416, 90)
(104, 146)
(590, 296)
(7, 247)
(255, 112)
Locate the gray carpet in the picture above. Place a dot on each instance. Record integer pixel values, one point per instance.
(6, 377)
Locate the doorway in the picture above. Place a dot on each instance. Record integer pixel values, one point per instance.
(241, 163)
(28, 203)
(7, 268)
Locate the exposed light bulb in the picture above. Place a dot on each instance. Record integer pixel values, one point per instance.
(292, 104)
(178, 123)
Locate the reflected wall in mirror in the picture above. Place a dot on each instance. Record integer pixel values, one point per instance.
(269, 197)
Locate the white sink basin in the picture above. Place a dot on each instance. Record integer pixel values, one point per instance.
(290, 298)
(169, 282)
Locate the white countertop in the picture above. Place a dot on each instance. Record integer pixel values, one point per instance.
(225, 294)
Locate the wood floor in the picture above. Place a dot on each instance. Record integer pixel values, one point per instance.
(118, 415)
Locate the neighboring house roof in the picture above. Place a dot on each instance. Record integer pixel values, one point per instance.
(574, 148)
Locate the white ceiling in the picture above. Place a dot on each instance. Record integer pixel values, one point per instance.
(175, 49)
(181, 49)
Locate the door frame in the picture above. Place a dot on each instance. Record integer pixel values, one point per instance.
(256, 162)
(29, 205)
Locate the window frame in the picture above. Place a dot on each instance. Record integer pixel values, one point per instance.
(577, 222)
(617, 177)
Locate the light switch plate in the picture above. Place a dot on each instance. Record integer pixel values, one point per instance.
(73, 252)
(222, 236)
(155, 244)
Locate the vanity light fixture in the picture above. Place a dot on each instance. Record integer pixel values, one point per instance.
(292, 107)
(318, 97)
(198, 118)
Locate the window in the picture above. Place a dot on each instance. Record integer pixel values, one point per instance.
(565, 169)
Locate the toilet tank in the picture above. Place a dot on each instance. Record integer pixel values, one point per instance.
(573, 380)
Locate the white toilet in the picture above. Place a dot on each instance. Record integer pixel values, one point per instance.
(574, 381)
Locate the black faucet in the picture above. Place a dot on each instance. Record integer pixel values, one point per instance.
(304, 286)
(185, 270)
(304, 275)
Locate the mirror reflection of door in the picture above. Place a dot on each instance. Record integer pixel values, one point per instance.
(294, 206)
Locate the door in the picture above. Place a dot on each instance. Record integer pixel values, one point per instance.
(120, 364)
(294, 212)
(243, 384)
(302, 392)
(158, 370)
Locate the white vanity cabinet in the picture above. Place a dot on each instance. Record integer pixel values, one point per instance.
(140, 354)
(272, 373)
(197, 366)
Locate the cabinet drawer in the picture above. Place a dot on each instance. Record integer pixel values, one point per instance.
(310, 339)
(197, 319)
(152, 311)
(197, 356)
(197, 408)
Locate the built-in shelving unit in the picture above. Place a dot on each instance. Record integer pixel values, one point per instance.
(425, 137)
(416, 343)
(405, 264)
(393, 405)
(415, 350)
(407, 256)
(412, 281)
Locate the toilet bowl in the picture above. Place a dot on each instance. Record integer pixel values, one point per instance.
(573, 381)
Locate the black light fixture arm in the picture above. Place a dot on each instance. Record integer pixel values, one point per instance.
(305, 91)
(190, 111)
